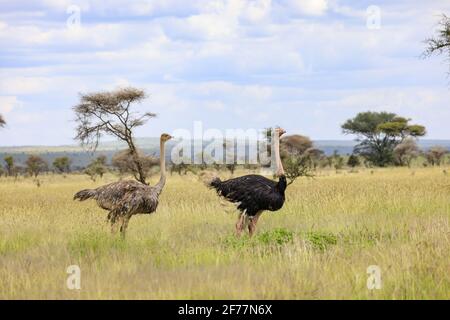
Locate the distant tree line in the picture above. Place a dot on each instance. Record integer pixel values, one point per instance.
(384, 139)
(35, 165)
(299, 156)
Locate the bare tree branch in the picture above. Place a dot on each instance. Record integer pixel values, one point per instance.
(109, 113)
(440, 43)
(2, 121)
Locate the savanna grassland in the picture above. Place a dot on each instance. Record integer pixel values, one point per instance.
(318, 246)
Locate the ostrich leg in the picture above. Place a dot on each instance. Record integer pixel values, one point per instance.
(123, 228)
(240, 224)
(114, 218)
(119, 217)
(114, 227)
(253, 222)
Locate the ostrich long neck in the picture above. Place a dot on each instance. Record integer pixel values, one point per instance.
(162, 165)
(276, 145)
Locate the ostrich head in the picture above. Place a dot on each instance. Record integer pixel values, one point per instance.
(166, 137)
(280, 131)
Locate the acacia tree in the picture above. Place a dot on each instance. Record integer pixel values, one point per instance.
(338, 160)
(435, 155)
(297, 166)
(299, 156)
(378, 133)
(125, 163)
(2, 121)
(353, 161)
(110, 113)
(35, 165)
(10, 165)
(405, 152)
(62, 164)
(98, 167)
(294, 144)
(440, 44)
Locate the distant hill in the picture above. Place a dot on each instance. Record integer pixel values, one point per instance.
(346, 146)
(81, 157)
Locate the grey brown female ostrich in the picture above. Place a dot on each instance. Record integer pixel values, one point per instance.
(254, 194)
(124, 199)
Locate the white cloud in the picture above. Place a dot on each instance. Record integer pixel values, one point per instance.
(213, 25)
(27, 118)
(310, 7)
(215, 105)
(347, 11)
(230, 63)
(8, 103)
(23, 85)
(258, 10)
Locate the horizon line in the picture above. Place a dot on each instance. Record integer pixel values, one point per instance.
(140, 138)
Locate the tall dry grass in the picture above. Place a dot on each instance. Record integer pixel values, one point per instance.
(317, 247)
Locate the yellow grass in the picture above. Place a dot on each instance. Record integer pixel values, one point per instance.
(317, 247)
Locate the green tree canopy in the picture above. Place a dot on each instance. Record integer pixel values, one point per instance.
(353, 161)
(299, 156)
(379, 133)
(10, 165)
(62, 164)
(98, 167)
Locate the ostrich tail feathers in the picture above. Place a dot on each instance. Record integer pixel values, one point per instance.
(210, 179)
(84, 194)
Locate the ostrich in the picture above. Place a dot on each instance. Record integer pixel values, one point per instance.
(254, 193)
(123, 199)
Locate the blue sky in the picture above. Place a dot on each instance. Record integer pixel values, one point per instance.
(305, 65)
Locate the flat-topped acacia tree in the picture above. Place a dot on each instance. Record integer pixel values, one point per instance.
(378, 133)
(110, 113)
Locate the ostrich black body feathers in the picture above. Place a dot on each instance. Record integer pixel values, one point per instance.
(252, 193)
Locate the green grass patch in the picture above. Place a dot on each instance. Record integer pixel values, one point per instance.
(366, 237)
(16, 244)
(276, 237)
(96, 243)
(320, 240)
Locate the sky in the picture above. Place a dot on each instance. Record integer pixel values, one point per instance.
(305, 65)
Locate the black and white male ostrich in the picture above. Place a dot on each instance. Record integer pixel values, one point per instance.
(123, 199)
(253, 193)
